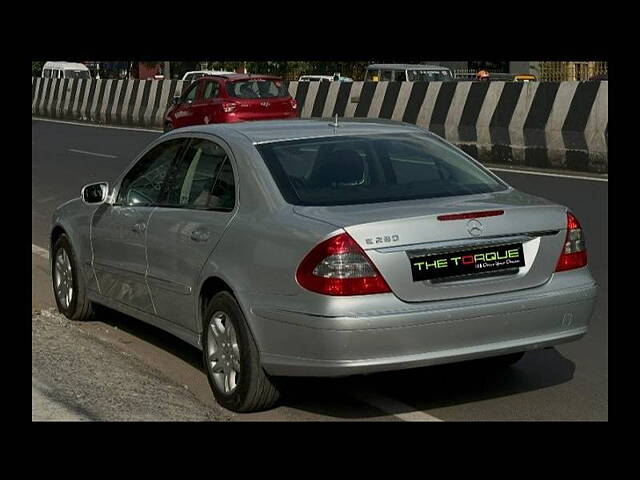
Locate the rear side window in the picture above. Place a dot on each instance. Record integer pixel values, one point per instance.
(385, 75)
(211, 90)
(201, 179)
(256, 89)
(76, 74)
(352, 170)
(400, 76)
(429, 75)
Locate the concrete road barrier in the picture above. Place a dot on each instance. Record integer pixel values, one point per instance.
(140, 103)
(560, 125)
(538, 124)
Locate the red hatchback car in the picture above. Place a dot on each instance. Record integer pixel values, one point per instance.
(231, 98)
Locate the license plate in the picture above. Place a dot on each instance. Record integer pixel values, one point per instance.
(466, 262)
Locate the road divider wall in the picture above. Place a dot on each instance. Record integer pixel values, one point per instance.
(562, 125)
(136, 103)
(539, 124)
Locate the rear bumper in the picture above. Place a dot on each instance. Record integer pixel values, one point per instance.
(234, 117)
(303, 344)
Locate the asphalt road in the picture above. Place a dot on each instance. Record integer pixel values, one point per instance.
(569, 382)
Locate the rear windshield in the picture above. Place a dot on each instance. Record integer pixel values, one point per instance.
(429, 75)
(257, 88)
(378, 168)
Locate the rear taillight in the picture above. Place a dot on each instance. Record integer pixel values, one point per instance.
(574, 253)
(338, 266)
(229, 107)
(294, 104)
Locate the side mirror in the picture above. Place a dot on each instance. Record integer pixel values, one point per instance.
(176, 100)
(95, 193)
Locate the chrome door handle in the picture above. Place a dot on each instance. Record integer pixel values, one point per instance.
(200, 235)
(139, 227)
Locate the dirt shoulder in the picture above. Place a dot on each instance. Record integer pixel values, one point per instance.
(70, 381)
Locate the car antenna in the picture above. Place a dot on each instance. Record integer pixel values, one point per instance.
(335, 124)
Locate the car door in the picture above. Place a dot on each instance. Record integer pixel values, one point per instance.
(118, 229)
(183, 231)
(184, 113)
(211, 102)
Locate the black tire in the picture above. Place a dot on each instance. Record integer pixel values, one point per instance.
(168, 127)
(80, 307)
(505, 360)
(254, 390)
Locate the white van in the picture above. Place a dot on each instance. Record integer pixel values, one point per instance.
(65, 70)
(336, 77)
(194, 75)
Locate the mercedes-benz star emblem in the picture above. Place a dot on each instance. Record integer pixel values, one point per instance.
(474, 227)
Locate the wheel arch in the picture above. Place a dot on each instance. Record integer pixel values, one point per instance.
(56, 233)
(210, 288)
(213, 285)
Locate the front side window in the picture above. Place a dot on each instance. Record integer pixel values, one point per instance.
(256, 89)
(371, 76)
(190, 93)
(142, 185)
(372, 168)
(202, 178)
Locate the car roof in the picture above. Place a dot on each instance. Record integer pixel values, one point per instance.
(210, 72)
(245, 76)
(65, 65)
(404, 66)
(268, 131)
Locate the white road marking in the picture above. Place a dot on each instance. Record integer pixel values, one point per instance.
(80, 124)
(395, 407)
(92, 153)
(41, 252)
(530, 172)
(549, 174)
(526, 172)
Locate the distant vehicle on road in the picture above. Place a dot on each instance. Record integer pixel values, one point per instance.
(231, 97)
(296, 248)
(408, 73)
(65, 70)
(194, 75)
(325, 78)
(525, 77)
(505, 77)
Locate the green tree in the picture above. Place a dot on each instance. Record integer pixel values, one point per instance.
(36, 68)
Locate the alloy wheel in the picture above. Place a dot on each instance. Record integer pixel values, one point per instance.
(223, 353)
(63, 278)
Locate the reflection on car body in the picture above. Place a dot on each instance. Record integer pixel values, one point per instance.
(294, 248)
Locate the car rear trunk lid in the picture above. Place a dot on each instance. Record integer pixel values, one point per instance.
(394, 233)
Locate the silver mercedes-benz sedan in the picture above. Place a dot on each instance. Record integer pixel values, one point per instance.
(317, 248)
